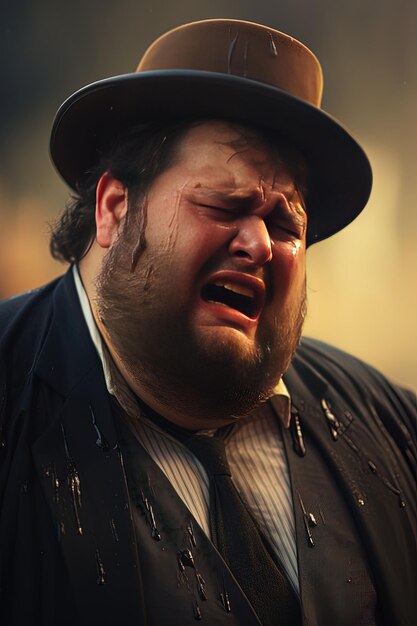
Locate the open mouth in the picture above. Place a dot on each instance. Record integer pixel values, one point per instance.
(244, 294)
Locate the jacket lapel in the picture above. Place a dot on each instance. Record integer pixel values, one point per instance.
(354, 513)
(79, 464)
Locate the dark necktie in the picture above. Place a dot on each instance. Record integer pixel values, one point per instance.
(235, 534)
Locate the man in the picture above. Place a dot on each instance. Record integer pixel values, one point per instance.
(199, 182)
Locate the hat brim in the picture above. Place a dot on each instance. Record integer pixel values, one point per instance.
(91, 119)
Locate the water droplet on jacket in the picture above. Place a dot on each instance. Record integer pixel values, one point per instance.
(74, 484)
(201, 586)
(155, 534)
(101, 441)
(60, 530)
(190, 531)
(312, 520)
(101, 574)
(306, 520)
(186, 558)
(361, 502)
(349, 580)
(297, 433)
(197, 612)
(225, 601)
(332, 420)
(372, 466)
(113, 530)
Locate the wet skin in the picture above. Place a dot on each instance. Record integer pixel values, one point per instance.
(213, 310)
(230, 213)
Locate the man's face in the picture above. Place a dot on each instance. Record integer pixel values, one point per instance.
(211, 314)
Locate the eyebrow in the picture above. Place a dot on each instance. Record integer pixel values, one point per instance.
(247, 200)
(233, 200)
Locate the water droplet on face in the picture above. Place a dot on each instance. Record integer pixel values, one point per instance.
(296, 247)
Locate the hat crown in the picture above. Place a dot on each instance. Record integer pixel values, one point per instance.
(242, 49)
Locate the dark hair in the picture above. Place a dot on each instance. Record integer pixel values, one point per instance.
(135, 159)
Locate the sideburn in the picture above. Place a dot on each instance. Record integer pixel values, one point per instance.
(140, 246)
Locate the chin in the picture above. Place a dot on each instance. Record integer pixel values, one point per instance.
(233, 342)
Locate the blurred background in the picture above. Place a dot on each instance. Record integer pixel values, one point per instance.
(362, 282)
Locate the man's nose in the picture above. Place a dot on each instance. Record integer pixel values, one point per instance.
(252, 241)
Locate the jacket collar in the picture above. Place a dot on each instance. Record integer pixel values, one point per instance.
(68, 353)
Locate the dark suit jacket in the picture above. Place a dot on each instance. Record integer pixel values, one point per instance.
(71, 548)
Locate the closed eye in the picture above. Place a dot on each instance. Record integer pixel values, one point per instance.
(226, 213)
(288, 224)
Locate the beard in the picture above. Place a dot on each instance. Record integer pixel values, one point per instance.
(189, 368)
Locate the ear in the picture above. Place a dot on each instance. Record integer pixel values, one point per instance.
(111, 208)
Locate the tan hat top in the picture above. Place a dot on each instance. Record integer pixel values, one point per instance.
(242, 49)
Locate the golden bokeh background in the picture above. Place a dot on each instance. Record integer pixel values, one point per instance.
(361, 282)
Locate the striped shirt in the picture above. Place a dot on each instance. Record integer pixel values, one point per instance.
(254, 451)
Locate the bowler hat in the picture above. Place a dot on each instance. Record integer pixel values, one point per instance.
(227, 69)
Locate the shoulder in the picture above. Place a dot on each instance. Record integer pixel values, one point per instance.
(24, 321)
(24, 306)
(337, 365)
(361, 385)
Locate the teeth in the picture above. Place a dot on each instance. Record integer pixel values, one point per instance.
(244, 291)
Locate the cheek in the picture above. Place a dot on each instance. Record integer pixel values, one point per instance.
(288, 268)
